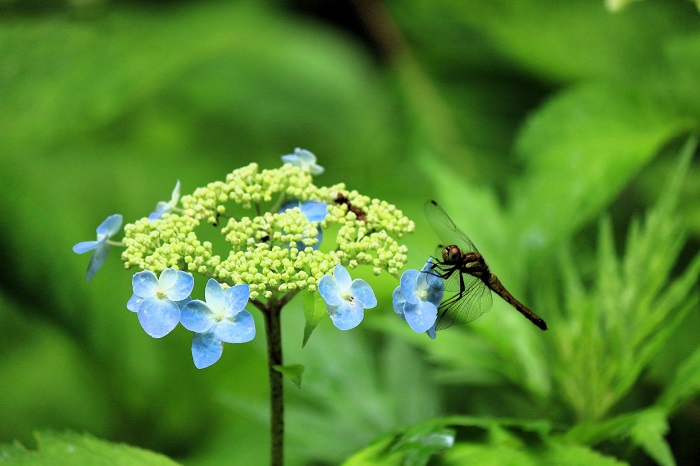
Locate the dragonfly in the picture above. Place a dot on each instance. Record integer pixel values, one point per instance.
(463, 271)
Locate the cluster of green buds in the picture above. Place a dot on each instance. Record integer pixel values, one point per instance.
(267, 239)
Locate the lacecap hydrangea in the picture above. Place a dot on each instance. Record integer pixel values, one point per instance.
(273, 231)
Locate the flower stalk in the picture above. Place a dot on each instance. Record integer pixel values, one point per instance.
(273, 223)
(273, 333)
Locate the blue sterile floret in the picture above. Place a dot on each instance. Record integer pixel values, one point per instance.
(157, 299)
(164, 207)
(346, 299)
(303, 159)
(221, 319)
(108, 228)
(417, 298)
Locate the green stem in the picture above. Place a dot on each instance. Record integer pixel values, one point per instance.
(273, 332)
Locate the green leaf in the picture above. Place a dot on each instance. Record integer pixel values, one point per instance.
(649, 432)
(413, 447)
(684, 385)
(314, 311)
(292, 371)
(576, 39)
(645, 429)
(69, 449)
(478, 441)
(581, 148)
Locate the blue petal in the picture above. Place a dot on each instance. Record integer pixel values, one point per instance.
(197, 317)
(240, 330)
(182, 303)
(315, 211)
(421, 317)
(428, 266)
(361, 290)
(398, 300)
(206, 349)
(158, 317)
(435, 295)
(85, 246)
(342, 278)
(181, 289)
(433, 281)
(175, 196)
(161, 208)
(291, 159)
(346, 316)
(134, 303)
(236, 299)
(97, 259)
(167, 279)
(110, 226)
(329, 291)
(432, 332)
(214, 295)
(144, 284)
(408, 285)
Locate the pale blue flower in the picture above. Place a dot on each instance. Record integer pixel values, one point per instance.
(156, 299)
(221, 319)
(346, 299)
(417, 301)
(166, 207)
(304, 159)
(108, 228)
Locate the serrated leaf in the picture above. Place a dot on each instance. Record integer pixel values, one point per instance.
(685, 384)
(292, 371)
(649, 432)
(314, 311)
(69, 449)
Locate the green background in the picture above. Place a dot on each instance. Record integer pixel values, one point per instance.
(549, 130)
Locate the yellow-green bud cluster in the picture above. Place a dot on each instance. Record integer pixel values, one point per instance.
(272, 252)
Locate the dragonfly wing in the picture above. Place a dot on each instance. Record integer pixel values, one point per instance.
(446, 277)
(464, 307)
(445, 228)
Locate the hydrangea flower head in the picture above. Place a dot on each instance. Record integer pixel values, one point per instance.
(158, 310)
(305, 160)
(417, 298)
(108, 228)
(166, 207)
(274, 252)
(221, 319)
(346, 299)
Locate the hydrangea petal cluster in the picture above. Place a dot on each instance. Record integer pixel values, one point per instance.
(346, 299)
(163, 207)
(108, 228)
(157, 299)
(416, 299)
(273, 252)
(303, 159)
(221, 319)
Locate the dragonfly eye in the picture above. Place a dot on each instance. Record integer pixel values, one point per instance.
(451, 254)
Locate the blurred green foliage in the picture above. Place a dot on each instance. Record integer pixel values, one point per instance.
(550, 131)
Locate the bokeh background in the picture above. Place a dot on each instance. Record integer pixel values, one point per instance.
(545, 128)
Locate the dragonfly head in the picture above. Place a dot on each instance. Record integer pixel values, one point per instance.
(451, 254)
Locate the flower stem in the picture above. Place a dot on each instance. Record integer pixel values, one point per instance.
(273, 332)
